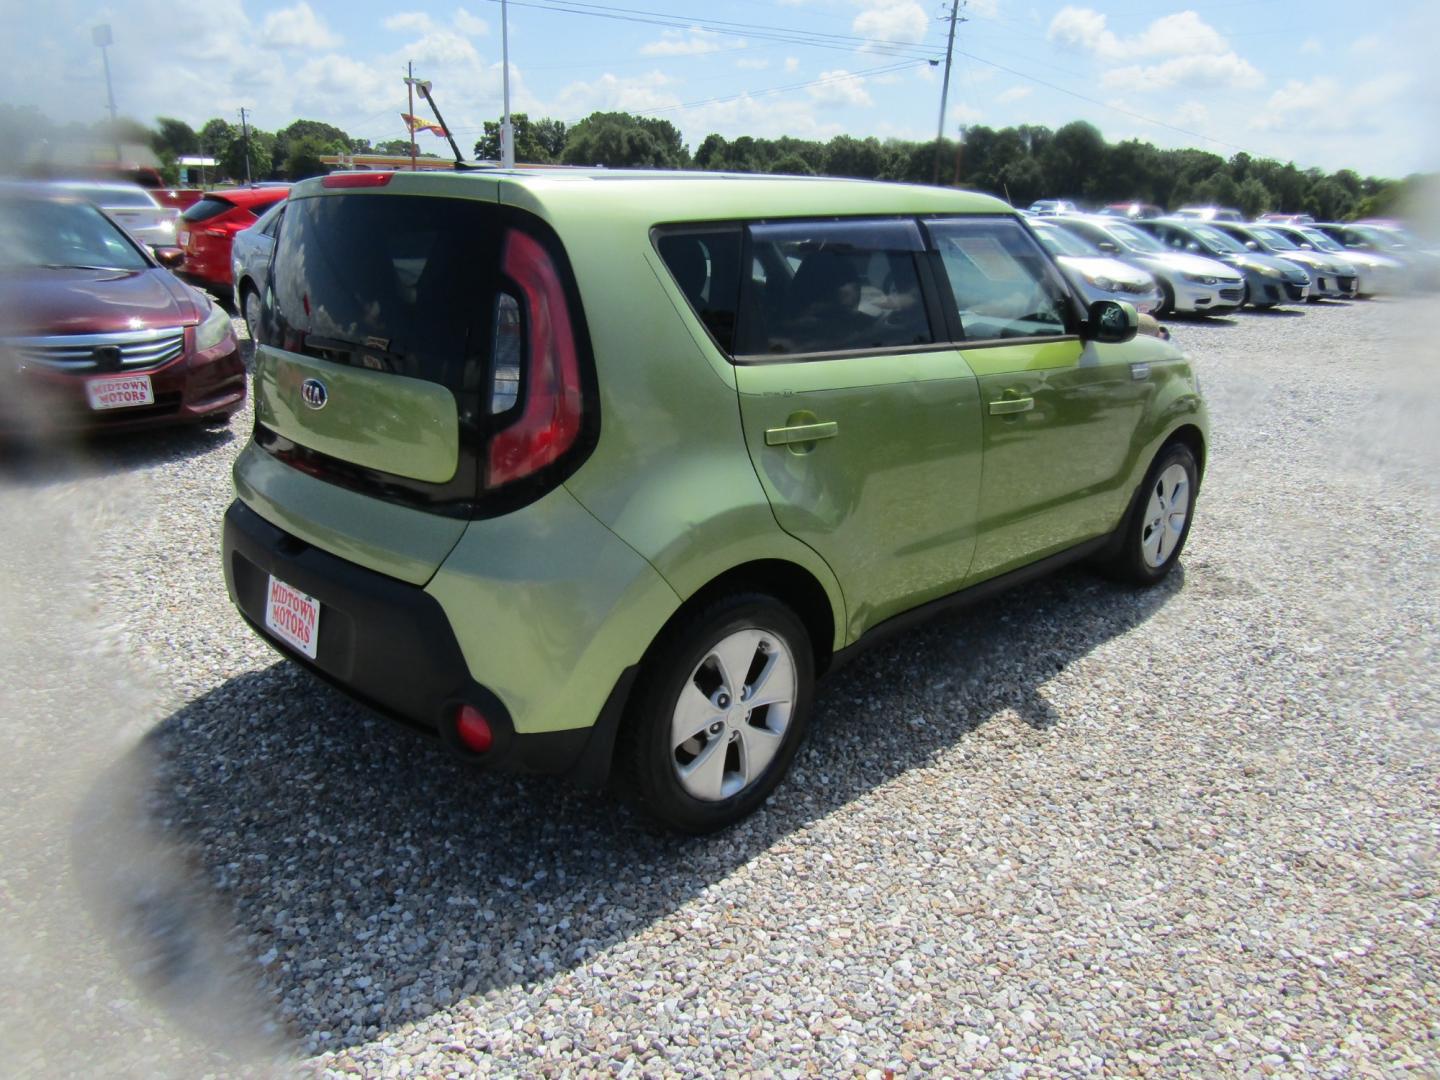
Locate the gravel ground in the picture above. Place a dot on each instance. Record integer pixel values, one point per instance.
(1078, 830)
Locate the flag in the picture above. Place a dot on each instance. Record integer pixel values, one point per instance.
(414, 123)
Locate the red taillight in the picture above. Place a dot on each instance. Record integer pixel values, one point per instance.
(549, 423)
(357, 179)
(473, 729)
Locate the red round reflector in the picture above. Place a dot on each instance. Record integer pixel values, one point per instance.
(473, 729)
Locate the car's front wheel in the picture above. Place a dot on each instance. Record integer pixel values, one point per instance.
(1158, 522)
(252, 313)
(722, 706)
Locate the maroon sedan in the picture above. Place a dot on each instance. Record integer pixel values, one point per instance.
(95, 333)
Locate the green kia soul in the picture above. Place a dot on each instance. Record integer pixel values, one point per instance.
(583, 469)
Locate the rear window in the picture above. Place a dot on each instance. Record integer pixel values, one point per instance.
(208, 207)
(395, 284)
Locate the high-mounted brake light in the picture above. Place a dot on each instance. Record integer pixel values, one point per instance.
(549, 422)
(357, 179)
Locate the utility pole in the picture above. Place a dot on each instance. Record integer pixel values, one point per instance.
(245, 135)
(410, 112)
(945, 86)
(507, 132)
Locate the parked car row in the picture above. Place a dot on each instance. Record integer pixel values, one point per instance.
(1207, 262)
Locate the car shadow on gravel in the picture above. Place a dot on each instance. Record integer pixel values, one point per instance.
(343, 877)
(54, 459)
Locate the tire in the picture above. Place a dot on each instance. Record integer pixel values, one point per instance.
(1158, 521)
(698, 758)
(1167, 300)
(250, 303)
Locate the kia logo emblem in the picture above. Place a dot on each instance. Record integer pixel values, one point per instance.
(107, 358)
(314, 394)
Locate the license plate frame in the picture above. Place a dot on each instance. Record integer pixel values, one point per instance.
(119, 392)
(292, 616)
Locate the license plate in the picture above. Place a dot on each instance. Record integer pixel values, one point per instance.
(120, 392)
(292, 616)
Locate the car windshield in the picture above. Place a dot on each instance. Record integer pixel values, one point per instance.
(1062, 241)
(1274, 239)
(1378, 236)
(1217, 239)
(59, 234)
(1320, 240)
(1133, 238)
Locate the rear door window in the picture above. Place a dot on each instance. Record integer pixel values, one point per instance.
(833, 286)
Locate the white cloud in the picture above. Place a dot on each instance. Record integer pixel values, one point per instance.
(417, 21)
(609, 93)
(1311, 47)
(1225, 70)
(752, 63)
(1323, 106)
(1193, 114)
(1015, 93)
(892, 20)
(841, 88)
(1186, 50)
(792, 64)
(695, 42)
(470, 25)
(297, 27)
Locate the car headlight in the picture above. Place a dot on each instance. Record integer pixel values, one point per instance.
(1200, 279)
(212, 328)
(1265, 271)
(1101, 282)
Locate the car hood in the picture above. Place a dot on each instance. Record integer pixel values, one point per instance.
(1320, 260)
(1185, 263)
(74, 301)
(1102, 266)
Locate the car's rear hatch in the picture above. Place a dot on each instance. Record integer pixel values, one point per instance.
(380, 404)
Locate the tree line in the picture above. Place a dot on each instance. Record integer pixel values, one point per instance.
(1019, 164)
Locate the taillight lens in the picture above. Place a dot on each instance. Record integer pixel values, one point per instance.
(548, 367)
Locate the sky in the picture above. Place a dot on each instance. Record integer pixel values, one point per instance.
(1325, 83)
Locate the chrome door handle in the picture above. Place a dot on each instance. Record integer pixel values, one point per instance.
(1008, 406)
(801, 433)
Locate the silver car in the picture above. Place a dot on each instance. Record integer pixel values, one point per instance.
(1095, 274)
(1188, 283)
(1331, 277)
(132, 207)
(1378, 275)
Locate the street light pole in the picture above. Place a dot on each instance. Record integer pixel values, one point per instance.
(104, 38)
(507, 132)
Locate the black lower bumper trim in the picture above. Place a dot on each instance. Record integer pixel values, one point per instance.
(386, 643)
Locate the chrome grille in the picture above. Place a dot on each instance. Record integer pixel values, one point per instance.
(128, 350)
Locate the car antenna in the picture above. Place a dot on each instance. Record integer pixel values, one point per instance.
(460, 163)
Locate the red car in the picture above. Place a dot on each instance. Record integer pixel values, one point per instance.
(95, 333)
(206, 230)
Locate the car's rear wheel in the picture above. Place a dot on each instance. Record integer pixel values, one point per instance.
(1158, 521)
(251, 302)
(722, 706)
(1167, 300)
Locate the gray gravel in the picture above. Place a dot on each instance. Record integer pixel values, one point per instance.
(1078, 830)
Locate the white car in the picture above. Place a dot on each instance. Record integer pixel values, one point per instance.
(132, 207)
(1095, 274)
(1189, 283)
(1379, 274)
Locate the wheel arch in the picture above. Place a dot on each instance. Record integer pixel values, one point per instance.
(1191, 436)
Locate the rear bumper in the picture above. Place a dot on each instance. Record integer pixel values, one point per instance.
(386, 643)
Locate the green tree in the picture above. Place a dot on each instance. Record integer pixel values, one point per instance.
(535, 142)
(792, 165)
(302, 157)
(1073, 160)
(261, 151)
(849, 156)
(319, 138)
(623, 141)
(1254, 198)
(174, 138)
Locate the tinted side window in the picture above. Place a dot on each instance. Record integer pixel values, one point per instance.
(833, 286)
(706, 265)
(1003, 285)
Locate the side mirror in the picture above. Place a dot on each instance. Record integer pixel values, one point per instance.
(1108, 246)
(170, 258)
(1307, 247)
(1111, 322)
(1252, 245)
